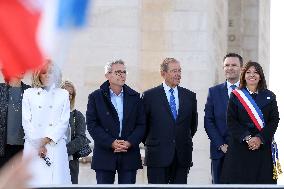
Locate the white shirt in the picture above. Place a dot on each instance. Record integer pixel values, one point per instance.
(229, 86)
(168, 94)
(117, 101)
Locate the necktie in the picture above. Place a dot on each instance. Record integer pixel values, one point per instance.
(173, 104)
(233, 87)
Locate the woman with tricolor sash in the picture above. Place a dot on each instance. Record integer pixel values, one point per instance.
(252, 119)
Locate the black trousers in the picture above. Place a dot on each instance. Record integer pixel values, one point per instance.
(74, 170)
(173, 174)
(10, 151)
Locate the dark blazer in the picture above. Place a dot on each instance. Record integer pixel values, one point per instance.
(242, 165)
(164, 135)
(215, 118)
(4, 101)
(78, 132)
(103, 126)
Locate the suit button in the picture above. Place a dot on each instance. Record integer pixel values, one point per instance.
(39, 107)
(50, 124)
(174, 141)
(107, 113)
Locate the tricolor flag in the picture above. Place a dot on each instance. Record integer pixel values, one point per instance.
(28, 30)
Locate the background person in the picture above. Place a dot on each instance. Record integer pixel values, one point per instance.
(216, 113)
(76, 132)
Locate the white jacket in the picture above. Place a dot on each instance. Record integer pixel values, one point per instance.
(46, 114)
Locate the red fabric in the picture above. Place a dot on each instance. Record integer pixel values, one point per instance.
(19, 50)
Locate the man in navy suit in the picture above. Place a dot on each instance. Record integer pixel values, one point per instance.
(171, 122)
(215, 113)
(116, 122)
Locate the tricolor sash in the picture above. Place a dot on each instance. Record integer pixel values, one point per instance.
(256, 116)
(251, 107)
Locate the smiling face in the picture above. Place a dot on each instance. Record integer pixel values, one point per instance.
(172, 75)
(232, 69)
(252, 77)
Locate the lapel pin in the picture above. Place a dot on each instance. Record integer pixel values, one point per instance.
(268, 97)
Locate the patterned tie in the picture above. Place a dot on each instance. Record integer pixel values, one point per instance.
(173, 104)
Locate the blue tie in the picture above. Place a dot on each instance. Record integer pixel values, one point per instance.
(173, 104)
(233, 87)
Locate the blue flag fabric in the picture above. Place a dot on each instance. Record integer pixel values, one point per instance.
(72, 13)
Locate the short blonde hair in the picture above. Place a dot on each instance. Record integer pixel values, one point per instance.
(66, 84)
(57, 76)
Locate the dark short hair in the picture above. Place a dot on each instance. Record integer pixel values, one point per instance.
(262, 83)
(234, 55)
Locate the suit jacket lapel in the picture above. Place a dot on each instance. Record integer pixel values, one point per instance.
(224, 94)
(127, 106)
(165, 101)
(181, 103)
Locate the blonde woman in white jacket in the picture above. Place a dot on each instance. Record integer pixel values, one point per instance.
(45, 114)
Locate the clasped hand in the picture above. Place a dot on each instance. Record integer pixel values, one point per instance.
(42, 151)
(120, 146)
(254, 143)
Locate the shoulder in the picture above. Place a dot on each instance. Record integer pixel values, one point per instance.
(31, 90)
(95, 93)
(153, 90)
(186, 91)
(25, 86)
(268, 94)
(78, 113)
(217, 87)
(60, 91)
(130, 91)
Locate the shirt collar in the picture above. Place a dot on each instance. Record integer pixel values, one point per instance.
(112, 94)
(250, 92)
(230, 84)
(167, 88)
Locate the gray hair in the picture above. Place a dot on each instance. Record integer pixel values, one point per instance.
(165, 64)
(109, 65)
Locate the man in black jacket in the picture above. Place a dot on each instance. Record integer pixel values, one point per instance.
(171, 122)
(11, 130)
(116, 122)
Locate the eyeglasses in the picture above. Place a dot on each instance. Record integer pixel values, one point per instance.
(175, 71)
(119, 72)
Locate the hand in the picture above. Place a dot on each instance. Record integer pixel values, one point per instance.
(14, 175)
(224, 148)
(42, 151)
(254, 143)
(45, 141)
(121, 146)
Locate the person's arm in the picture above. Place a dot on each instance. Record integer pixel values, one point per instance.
(138, 133)
(56, 132)
(80, 136)
(194, 120)
(27, 117)
(94, 127)
(272, 121)
(210, 123)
